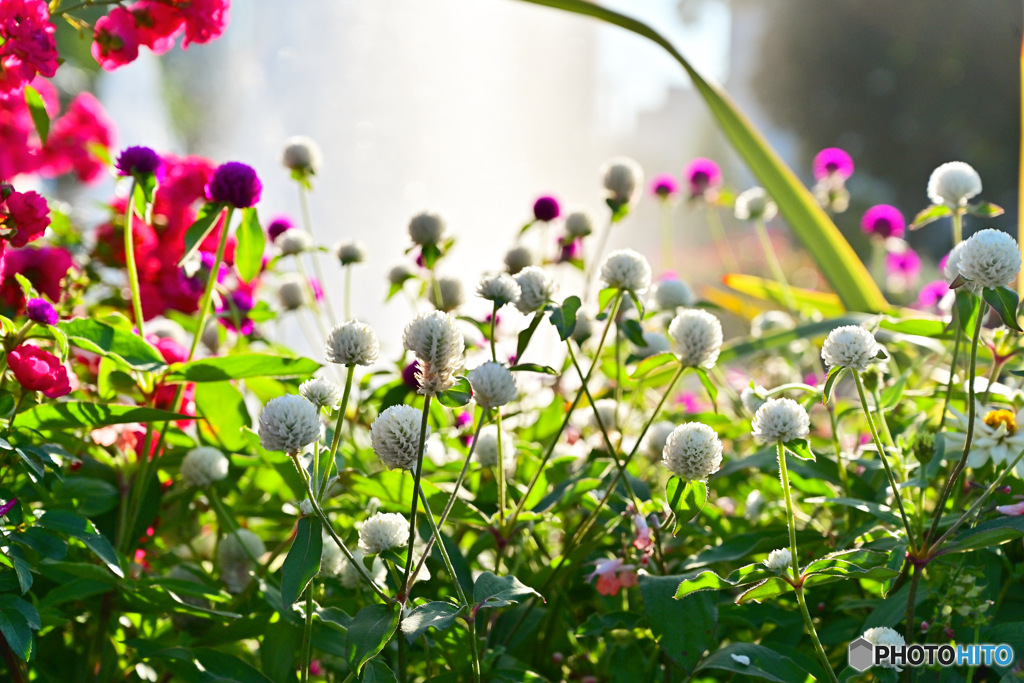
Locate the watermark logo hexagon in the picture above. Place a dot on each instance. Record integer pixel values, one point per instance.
(861, 655)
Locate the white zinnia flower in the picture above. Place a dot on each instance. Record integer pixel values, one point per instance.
(301, 154)
(383, 531)
(518, 258)
(536, 289)
(754, 204)
(289, 423)
(292, 292)
(493, 385)
(294, 241)
(693, 451)
(202, 466)
(486, 449)
(623, 179)
(989, 258)
(626, 270)
(753, 398)
(438, 344)
(656, 343)
(780, 419)
(672, 294)
(579, 224)
(352, 343)
(321, 392)
(696, 338)
(349, 575)
(350, 252)
(779, 560)
(501, 289)
(233, 558)
(426, 228)
(850, 346)
(452, 295)
(883, 635)
(770, 322)
(953, 183)
(395, 434)
(997, 436)
(656, 437)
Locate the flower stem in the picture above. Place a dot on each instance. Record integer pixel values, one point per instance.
(336, 441)
(718, 231)
(952, 373)
(307, 220)
(405, 587)
(494, 319)
(307, 634)
(129, 260)
(501, 475)
(211, 284)
(958, 228)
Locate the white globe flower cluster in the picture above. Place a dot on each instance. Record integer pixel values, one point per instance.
(500, 289)
(623, 179)
(293, 291)
(234, 558)
(989, 258)
(426, 228)
(352, 343)
(626, 270)
(696, 338)
(202, 466)
(321, 392)
(536, 289)
(383, 531)
(438, 344)
(850, 346)
(780, 419)
(452, 295)
(755, 204)
(779, 560)
(953, 184)
(486, 449)
(295, 241)
(493, 385)
(349, 253)
(301, 154)
(395, 434)
(693, 451)
(289, 423)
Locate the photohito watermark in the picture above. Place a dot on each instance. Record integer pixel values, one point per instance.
(863, 655)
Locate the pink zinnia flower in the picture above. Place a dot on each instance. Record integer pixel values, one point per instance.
(832, 161)
(883, 220)
(27, 45)
(664, 186)
(702, 175)
(39, 370)
(115, 42)
(157, 25)
(26, 213)
(205, 20)
(546, 209)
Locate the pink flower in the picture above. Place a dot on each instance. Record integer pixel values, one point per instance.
(613, 575)
(1013, 510)
(70, 146)
(546, 209)
(24, 213)
(643, 539)
(115, 42)
(38, 370)
(27, 44)
(904, 265)
(664, 186)
(931, 294)
(702, 175)
(883, 220)
(157, 25)
(205, 20)
(832, 161)
(44, 268)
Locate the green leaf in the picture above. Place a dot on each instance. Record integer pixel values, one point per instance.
(16, 631)
(205, 221)
(686, 499)
(666, 616)
(75, 414)
(527, 334)
(930, 215)
(1005, 301)
(377, 671)
(37, 108)
(112, 342)
(79, 527)
(224, 414)
(241, 366)
(439, 615)
(369, 632)
(458, 396)
(251, 243)
(765, 664)
(534, 367)
(651, 364)
(431, 253)
(606, 295)
(985, 210)
(564, 317)
(801, 448)
(303, 561)
(986, 535)
(86, 495)
(857, 563)
(708, 385)
(499, 591)
(830, 383)
(634, 332)
(882, 512)
(967, 309)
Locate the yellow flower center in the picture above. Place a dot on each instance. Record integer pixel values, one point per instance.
(994, 418)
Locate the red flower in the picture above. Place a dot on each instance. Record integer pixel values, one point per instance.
(27, 44)
(69, 146)
(157, 25)
(205, 20)
(38, 370)
(115, 41)
(27, 214)
(44, 268)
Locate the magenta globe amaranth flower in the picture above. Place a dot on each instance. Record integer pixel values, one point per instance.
(278, 227)
(40, 311)
(138, 161)
(546, 209)
(664, 186)
(932, 293)
(903, 264)
(832, 161)
(235, 184)
(884, 221)
(702, 175)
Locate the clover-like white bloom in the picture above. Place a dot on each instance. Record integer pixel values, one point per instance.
(672, 294)
(399, 273)
(536, 289)
(779, 560)
(500, 289)
(693, 451)
(321, 392)
(395, 434)
(289, 423)
(438, 344)
(233, 558)
(305, 507)
(754, 204)
(584, 327)
(350, 252)
(518, 258)
(753, 398)
(331, 558)
(493, 385)
(383, 531)
(780, 419)
(294, 241)
(626, 270)
(623, 179)
(770, 322)
(293, 291)
(452, 295)
(426, 228)
(486, 449)
(953, 184)
(883, 635)
(657, 436)
(202, 466)
(989, 258)
(850, 346)
(349, 575)
(696, 338)
(301, 154)
(656, 343)
(579, 224)
(352, 343)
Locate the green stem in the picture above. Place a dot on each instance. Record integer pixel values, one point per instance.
(494, 319)
(336, 441)
(211, 284)
(993, 375)
(406, 587)
(129, 259)
(822, 657)
(307, 634)
(718, 231)
(667, 242)
(308, 222)
(958, 230)
(501, 475)
(952, 373)
(774, 266)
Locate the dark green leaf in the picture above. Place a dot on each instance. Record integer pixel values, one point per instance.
(986, 535)
(251, 242)
(985, 210)
(709, 386)
(205, 221)
(241, 366)
(527, 334)
(377, 671)
(431, 253)
(86, 495)
(930, 215)
(967, 309)
(499, 591)
(534, 367)
(666, 616)
(73, 525)
(113, 342)
(303, 561)
(564, 317)
(634, 332)
(75, 414)
(16, 632)
(439, 615)
(1005, 301)
(686, 499)
(37, 109)
(369, 632)
(651, 364)
(801, 448)
(830, 383)
(764, 663)
(458, 396)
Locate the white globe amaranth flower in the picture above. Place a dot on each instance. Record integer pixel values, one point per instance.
(623, 178)
(656, 343)
(293, 291)
(383, 531)
(438, 344)
(579, 224)
(395, 434)
(692, 451)
(350, 252)
(289, 423)
(486, 450)
(953, 184)
(331, 558)
(233, 558)
(202, 466)
(755, 204)
(536, 289)
(305, 507)
(321, 392)
(779, 560)
(518, 258)
(753, 398)
(302, 154)
(850, 346)
(399, 273)
(770, 322)
(584, 327)
(696, 338)
(672, 294)
(426, 228)
(883, 635)
(493, 385)
(780, 419)
(626, 270)
(656, 437)
(349, 575)
(500, 289)
(294, 241)
(452, 295)
(352, 343)
(989, 258)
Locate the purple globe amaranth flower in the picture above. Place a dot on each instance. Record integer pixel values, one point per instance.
(138, 161)
(40, 311)
(931, 294)
(409, 375)
(702, 175)
(235, 184)
(664, 186)
(235, 312)
(570, 251)
(883, 220)
(904, 264)
(546, 209)
(832, 161)
(279, 226)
